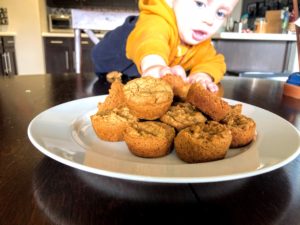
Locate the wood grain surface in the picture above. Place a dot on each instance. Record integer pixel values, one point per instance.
(35, 189)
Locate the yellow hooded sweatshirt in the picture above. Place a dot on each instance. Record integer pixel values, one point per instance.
(156, 33)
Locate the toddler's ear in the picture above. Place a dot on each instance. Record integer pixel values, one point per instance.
(169, 2)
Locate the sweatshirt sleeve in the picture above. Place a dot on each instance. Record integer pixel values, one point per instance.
(150, 36)
(210, 62)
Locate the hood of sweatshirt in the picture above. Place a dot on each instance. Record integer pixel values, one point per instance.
(160, 8)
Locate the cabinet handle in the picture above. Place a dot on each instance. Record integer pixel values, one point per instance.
(74, 62)
(9, 70)
(56, 42)
(5, 63)
(85, 42)
(67, 59)
(10, 42)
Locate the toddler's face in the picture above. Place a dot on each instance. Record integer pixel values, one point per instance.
(198, 20)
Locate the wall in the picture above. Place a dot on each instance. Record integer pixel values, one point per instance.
(24, 19)
(295, 64)
(266, 5)
(236, 14)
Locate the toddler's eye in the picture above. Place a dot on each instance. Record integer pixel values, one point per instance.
(200, 4)
(221, 14)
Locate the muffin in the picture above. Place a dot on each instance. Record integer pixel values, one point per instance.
(180, 88)
(236, 109)
(203, 142)
(110, 125)
(149, 139)
(207, 102)
(114, 76)
(242, 129)
(182, 115)
(115, 99)
(147, 97)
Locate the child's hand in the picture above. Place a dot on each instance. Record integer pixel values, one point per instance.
(154, 71)
(155, 66)
(175, 70)
(159, 71)
(205, 80)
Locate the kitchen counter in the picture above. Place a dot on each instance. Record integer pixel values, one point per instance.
(69, 34)
(255, 36)
(241, 48)
(2, 33)
(222, 35)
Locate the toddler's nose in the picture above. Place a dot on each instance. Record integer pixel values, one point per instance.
(208, 17)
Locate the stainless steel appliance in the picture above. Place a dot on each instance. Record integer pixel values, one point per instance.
(60, 23)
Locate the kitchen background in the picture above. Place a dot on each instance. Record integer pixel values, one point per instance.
(34, 24)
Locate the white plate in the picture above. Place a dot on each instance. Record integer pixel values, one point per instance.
(65, 134)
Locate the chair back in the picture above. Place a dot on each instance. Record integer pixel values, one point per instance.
(90, 20)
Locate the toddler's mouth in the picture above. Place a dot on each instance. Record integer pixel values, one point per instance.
(199, 35)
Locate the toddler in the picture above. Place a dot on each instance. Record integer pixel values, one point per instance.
(168, 36)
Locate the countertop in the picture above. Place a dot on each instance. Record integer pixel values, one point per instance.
(255, 36)
(69, 34)
(8, 33)
(222, 35)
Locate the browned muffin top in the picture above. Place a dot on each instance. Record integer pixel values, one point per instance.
(183, 115)
(180, 88)
(148, 90)
(208, 102)
(115, 99)
(150, 129)
(114, 76)
(208, 131)
(238, 120)
(117, 115)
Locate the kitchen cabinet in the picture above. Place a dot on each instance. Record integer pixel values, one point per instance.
(64, 3)
(272, 56)
(8, 56)
(92, 3)
(86, 50)
(60, 55)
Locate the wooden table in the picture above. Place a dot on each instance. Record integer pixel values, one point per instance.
(35, 189)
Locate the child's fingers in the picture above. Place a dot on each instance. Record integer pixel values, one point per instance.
(164, 71)
(212, 87)
(153, 71)
(207, 84)
(191, 79)
(151, 75)
(196, 79)
(179, 71)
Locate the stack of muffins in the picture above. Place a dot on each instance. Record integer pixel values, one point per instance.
(153, 115)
